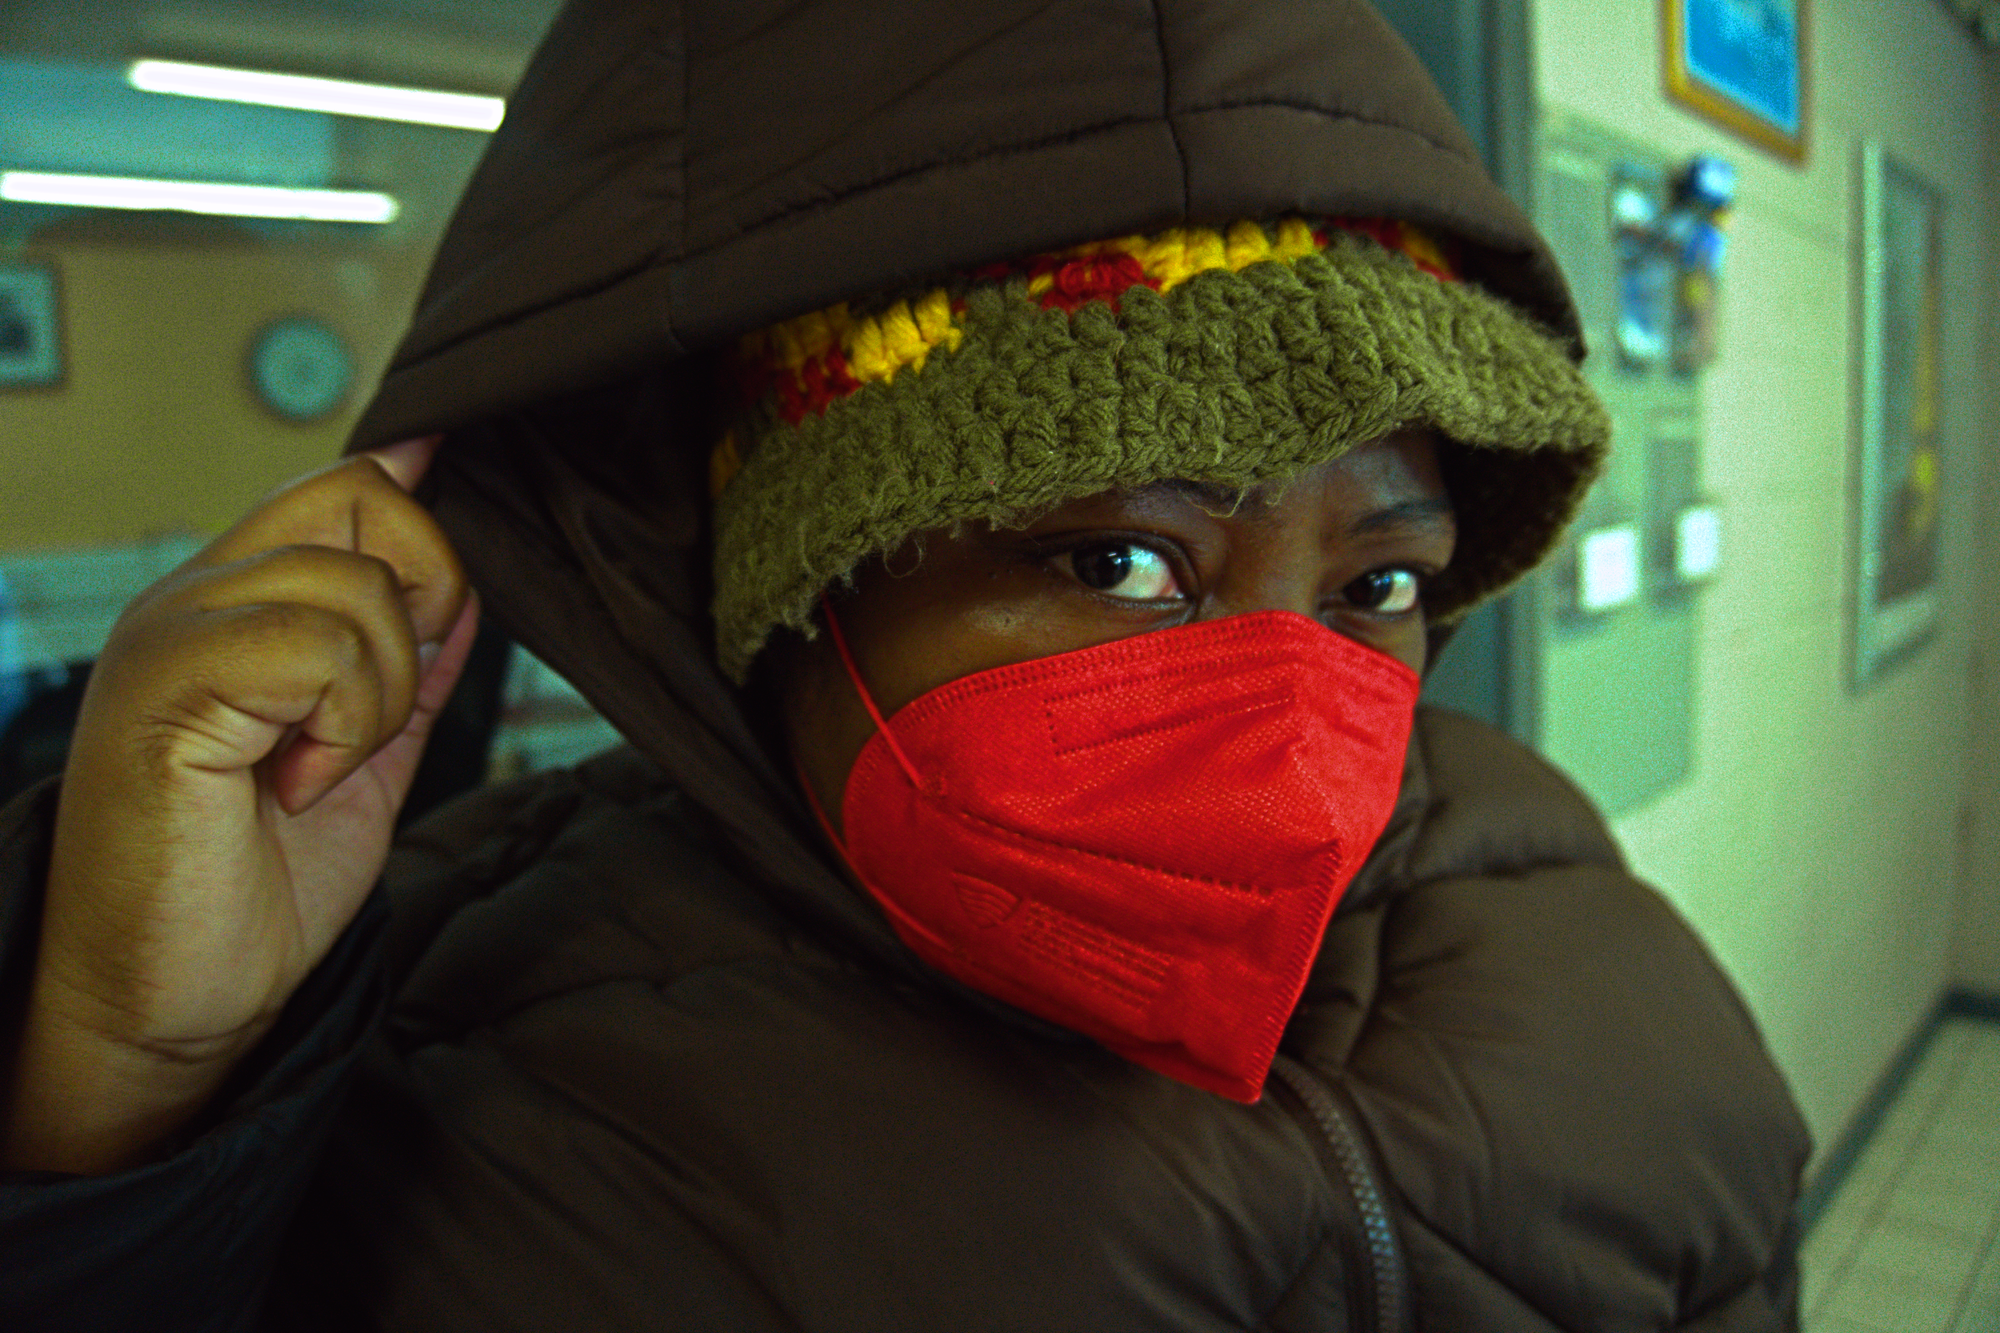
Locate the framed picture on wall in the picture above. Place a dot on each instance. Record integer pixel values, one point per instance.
(1900, 493)
(1742, 64)
(30, 327)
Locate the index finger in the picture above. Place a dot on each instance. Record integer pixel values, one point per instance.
(362, 504)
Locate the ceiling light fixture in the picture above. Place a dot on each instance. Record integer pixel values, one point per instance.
(338, 97)
(243, 201)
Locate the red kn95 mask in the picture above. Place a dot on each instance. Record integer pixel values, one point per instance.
(1141, 841)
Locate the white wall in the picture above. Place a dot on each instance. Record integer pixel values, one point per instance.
(1816, 845)
(1976, 959)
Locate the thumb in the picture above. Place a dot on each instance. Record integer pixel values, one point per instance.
(395, 764)
(443, 665)
(406, 462)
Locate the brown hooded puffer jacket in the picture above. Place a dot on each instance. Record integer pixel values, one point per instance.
(652, 1064)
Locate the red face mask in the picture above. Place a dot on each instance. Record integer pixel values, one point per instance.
(1140, 841)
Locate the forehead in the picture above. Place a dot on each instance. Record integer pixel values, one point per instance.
(1399, 470)
(1386, 486)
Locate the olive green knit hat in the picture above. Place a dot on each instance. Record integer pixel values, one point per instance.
(1229, 357)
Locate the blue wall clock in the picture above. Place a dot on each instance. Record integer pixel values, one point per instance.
(301, 367)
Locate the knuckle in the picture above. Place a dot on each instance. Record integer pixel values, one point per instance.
(328, 571)
(303, 559)
(286, 633)
(379, 577)
(340, 641)
(188, 720)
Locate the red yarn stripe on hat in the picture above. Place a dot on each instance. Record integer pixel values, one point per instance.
(804, 365)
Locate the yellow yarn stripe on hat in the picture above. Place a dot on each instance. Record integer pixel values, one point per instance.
(805, 364)
(1150, 359)
(903, 335)
(1173, 256)
(810, 361)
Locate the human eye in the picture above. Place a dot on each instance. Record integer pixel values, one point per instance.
(1385, 592)
(1123, 569)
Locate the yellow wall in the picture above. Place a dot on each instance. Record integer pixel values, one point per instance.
(155, 428)
(1816, 845)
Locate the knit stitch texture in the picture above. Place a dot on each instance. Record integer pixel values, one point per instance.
(1230, 377)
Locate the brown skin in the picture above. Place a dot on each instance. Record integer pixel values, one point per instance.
(255, 720)
(1338, 543)
(250, 731)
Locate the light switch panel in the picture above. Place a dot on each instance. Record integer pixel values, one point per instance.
(1618, 627)
(1607, 575)
(1698, 543)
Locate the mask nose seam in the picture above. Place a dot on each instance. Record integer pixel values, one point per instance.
(867, 699)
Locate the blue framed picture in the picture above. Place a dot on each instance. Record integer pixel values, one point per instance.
(1742, 63)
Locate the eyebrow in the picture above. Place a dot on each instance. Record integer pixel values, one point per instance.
(1434, 511)
(1206, 495)
(1231, 501)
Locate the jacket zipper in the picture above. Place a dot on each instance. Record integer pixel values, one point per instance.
(1390, 1279)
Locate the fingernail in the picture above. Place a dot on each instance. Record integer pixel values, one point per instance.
(407, 460)
(427, 653)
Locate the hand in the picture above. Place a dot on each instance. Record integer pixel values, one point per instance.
(246, 740)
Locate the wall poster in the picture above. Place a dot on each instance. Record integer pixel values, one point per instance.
(1741, 63)
(30, 327)
(1900, 491)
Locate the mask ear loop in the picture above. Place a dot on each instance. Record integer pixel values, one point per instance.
(867, 700)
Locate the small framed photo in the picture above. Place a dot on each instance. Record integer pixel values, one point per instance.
(1900, 494)
(30, 327)
(1741, 63)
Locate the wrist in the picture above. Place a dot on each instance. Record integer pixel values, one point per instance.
(87, 1098)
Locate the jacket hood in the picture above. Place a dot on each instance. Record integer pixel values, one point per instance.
(671, 176)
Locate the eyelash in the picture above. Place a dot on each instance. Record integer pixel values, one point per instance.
(1069, 550)
(1174, 560)
(1417, 594)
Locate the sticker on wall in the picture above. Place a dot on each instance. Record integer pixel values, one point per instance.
(301, 367)
(1645, 272)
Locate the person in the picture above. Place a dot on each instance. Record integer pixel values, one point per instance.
(1004, 468)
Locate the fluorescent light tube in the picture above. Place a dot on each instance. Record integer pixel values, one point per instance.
(338, 97)
(243, 201)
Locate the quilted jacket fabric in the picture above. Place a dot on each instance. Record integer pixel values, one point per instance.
(619, 1049)
(621, 1086)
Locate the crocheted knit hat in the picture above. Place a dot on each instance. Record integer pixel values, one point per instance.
(1229, 357)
